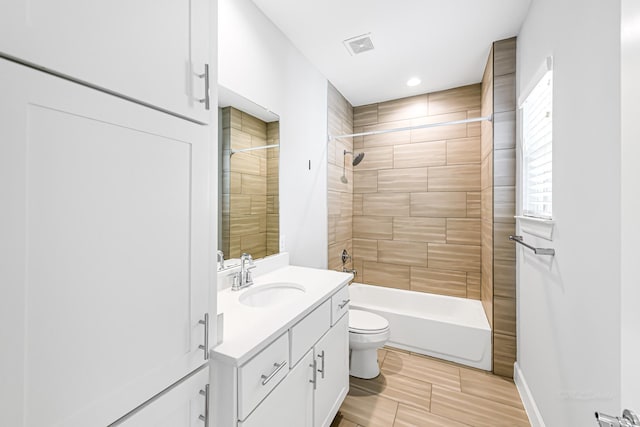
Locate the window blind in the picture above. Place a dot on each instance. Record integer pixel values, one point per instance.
(537, 138)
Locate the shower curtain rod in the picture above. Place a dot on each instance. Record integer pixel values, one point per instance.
(428, 125)
(262, 147)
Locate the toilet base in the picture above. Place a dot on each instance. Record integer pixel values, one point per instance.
(364, 363)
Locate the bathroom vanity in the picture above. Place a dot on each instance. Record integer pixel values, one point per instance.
(283, 359)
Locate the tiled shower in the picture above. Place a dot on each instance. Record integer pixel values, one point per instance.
(429, 210)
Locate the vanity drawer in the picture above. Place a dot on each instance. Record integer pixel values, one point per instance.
(309, 330)
(260, 375)
(339, 304)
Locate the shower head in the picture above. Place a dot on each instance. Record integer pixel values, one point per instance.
(356, 159)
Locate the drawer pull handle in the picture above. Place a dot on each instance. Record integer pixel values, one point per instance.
(205, 347)
(278, 367)
(205, 418)
(321, 370)
(344, 303)
(314, 366)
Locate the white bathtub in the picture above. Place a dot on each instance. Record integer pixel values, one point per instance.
(450, 328)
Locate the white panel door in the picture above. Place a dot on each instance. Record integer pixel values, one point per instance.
(104, 251)
(630, 316)
(332, 356)
(181, 406)
(149, 50)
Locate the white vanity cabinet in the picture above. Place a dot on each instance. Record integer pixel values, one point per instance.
(104, 251)
(153, 52)
(308, 393)
(332, 373)
(291, 403)
(261, 374)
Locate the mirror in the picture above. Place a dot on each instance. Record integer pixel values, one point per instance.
(248, 153)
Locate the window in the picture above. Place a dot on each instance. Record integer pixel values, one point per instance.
(537, 138)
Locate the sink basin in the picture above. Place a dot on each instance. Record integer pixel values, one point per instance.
(271, 294)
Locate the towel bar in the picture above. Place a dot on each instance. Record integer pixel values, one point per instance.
(537, 251)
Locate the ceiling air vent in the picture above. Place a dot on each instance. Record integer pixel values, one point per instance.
(359, 44)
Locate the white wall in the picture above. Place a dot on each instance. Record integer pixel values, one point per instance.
(630, 204)
(258, 62)
(568, 309)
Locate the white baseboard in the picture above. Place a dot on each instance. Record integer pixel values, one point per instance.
(535, 418)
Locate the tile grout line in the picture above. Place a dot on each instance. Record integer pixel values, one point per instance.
(482, 397)
(396, 414)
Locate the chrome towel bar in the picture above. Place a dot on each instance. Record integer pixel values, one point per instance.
(537, 251)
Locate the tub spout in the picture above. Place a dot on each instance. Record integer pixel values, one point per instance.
(350, 270)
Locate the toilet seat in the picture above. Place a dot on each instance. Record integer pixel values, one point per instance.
(365, 322)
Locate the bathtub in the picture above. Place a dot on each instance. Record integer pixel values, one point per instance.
(449, 328)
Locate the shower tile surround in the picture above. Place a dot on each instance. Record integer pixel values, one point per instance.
(250, 186)
(416, 222)
(498, 288)
(431, 209)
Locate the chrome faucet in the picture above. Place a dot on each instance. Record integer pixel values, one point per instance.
(220, 260)
(243, 278)
(350, 270)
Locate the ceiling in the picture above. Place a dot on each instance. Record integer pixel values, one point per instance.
(443, 42)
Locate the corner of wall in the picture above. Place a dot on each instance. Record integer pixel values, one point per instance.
(530, 406)
(339, 180)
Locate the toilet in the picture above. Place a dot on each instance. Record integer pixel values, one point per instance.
(367, 333)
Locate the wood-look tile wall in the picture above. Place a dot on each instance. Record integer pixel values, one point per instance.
(417, 194)
(250, 186)
(504, 209)
(340, 193)
(498, 286)
(486, 194)
(273, 192)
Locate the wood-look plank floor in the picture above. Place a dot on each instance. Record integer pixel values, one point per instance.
(420, 391)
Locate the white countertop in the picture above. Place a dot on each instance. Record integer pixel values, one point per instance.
(247, 330)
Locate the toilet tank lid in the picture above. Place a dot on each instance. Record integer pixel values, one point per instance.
(360, 320)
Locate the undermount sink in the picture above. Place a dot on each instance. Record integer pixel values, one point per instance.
(271, 294)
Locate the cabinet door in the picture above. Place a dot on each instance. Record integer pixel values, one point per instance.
(148, 50)
(332, 357)
(104, 251)
(290, 403)
(181, 406)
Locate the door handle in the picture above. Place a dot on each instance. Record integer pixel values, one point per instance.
(205, 417)
(628, 419)
(205, 347)
(321, 370)
(314, 367)
(206, 100)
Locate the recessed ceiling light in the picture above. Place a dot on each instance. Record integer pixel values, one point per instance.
(413, 81)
